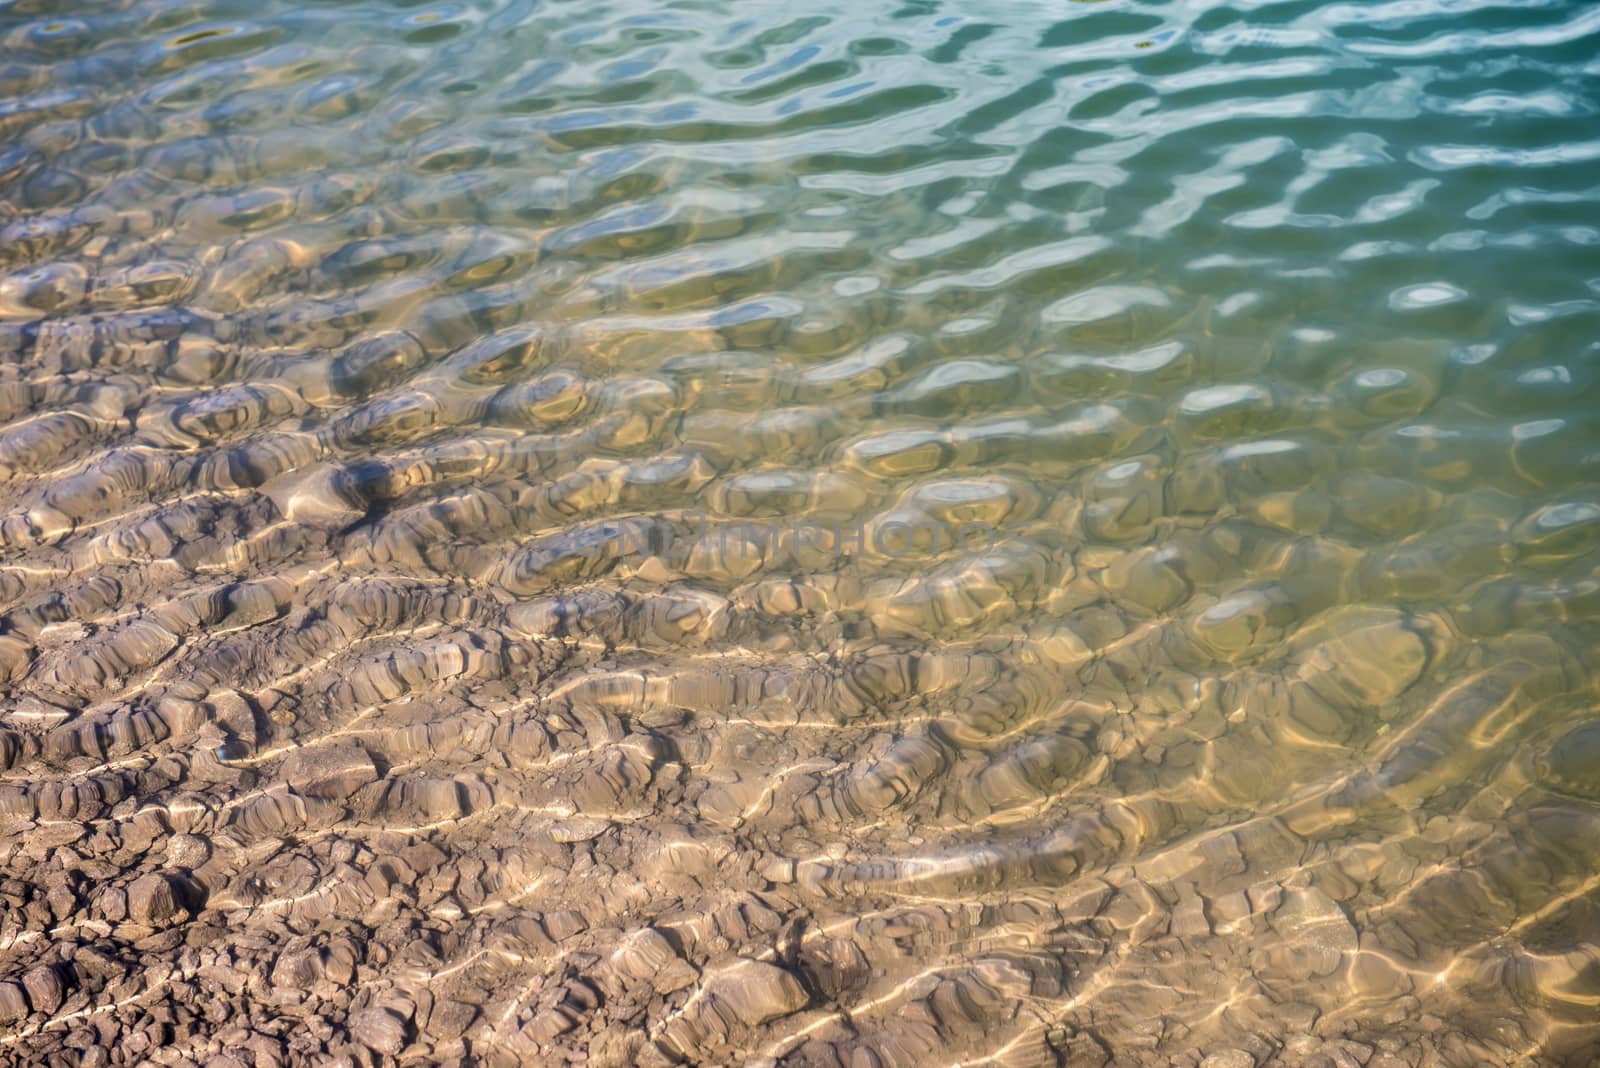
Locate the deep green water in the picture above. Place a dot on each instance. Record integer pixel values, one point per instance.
(448, 464)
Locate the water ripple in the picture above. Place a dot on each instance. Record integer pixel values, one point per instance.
(539, 532)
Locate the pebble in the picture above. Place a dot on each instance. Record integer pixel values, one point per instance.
(13, 1003)
(153, 901)
(1232, 1058)
(46, 991)
(1574, 762)
(187, 851)
(379, 1030)
(46, 289)
(756, 991)
(329, 772)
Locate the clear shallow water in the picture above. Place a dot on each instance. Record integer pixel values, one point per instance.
(387, 667)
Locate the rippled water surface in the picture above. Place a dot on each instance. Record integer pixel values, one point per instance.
(871, 534)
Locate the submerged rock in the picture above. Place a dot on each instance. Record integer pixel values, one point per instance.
(379, 1030)
(1573, 763)
(329, 772)
(45, 987)
(755, 992)
(13, 1003)
(154, 900)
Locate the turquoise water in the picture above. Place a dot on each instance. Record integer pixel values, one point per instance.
(863, 534)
